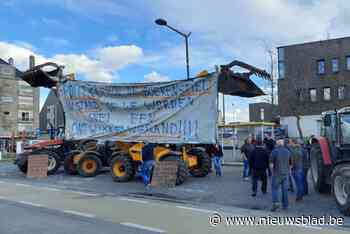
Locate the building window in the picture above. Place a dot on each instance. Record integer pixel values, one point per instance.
(341, 92)
(321, 67)
(347, 62)
(25, 116)
(262, 114)
(327, 94)
(335, 65)
(313, 95)
(281, 64)
(25, 100)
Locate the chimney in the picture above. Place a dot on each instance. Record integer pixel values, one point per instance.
(31, 61)
(10, 61)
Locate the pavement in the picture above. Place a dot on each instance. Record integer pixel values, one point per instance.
(184, 209)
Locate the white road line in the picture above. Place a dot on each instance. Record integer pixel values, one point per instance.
(134, 225)
(23, 185)
(133, 200)
(83, 193)
(30, 203)
(51, 189)
(196, 209)
(79, 213)
(309, 227)
(2, 182)
(3, 198)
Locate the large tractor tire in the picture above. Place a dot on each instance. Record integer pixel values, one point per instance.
(54, 161)
(318, 170)
(122, 168)
(89, 165)
(182, 171)
(70, 167)
(204, 163)
(341, 187)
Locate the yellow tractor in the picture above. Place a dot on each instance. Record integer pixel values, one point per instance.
(127, 159)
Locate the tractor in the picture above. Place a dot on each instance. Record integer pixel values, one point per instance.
(330, 158)
(126, 161)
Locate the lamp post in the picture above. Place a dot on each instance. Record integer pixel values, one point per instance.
(163, 22)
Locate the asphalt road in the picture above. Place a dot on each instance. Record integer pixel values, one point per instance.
(27, 208)
(20, 218)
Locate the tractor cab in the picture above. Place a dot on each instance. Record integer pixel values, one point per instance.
(336, 127)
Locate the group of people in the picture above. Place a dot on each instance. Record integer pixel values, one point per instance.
(283, 159)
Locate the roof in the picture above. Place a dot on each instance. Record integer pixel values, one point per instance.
(314, 42)
(18, 72)
(247, 124)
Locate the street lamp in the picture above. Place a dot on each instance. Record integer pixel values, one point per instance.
(163, 22)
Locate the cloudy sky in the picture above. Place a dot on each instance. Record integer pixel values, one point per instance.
(117, 40)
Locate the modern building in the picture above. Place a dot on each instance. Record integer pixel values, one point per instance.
(313, 77)
(263, 112)
(51, 114)
(19, 104)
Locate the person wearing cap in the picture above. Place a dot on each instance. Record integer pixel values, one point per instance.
(280, 157)
(246, 149)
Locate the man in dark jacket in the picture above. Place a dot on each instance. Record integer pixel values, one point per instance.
(246, 149)
(259, 163)
(147, 162)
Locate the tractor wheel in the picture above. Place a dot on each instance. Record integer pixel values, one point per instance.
(89, 165)
(318, 170)
(182, 171)
(54, 162)
(69, 167)
(204, 163)
(88, 145)
(341, 187)
(122, 168)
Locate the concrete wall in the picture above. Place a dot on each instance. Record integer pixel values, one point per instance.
(310, 125)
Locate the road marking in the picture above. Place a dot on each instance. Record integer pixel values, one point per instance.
(2, 182)
(133, 200)
(79, 213)
(309, 227)
(83, 193)
(134, 225)
(51, 189)
(23, 185)
(196, 209)
(3, 198)
(31, 203)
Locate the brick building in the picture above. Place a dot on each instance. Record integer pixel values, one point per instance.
(19, 104)
(313, 77)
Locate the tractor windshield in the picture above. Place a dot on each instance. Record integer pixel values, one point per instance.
(345, 127)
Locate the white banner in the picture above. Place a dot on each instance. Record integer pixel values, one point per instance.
(182, 111)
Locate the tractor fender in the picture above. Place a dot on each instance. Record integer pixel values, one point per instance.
(97, 154)
(326, 155)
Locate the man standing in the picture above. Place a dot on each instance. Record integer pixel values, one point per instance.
(269, 143)
(246, 149)
(259, 163)
(297, 168)
(147, 162)
(280, 157)
(218, 154)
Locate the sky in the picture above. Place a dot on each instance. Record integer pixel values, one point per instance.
(118, 41)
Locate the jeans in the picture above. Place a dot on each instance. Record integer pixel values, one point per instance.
(277, 183)
(217, 161)
(245, 168)
(306, 185)
(299, 181)
(146, 171)
(259, 174)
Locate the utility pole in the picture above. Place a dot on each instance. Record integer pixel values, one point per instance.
(272, 77)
